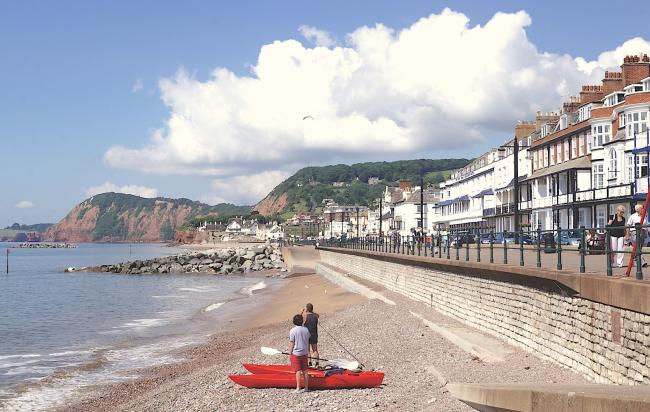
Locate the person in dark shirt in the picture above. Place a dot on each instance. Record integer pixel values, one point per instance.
(310, 321)
(616, 226)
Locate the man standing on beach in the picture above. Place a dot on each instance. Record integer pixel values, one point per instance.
(299, 350)
(310, 320)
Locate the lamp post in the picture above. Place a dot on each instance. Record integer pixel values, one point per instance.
(342, 213)
(515, 209)
(422, 204)
(381, 204)
(357, 222)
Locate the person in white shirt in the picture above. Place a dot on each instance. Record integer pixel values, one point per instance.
(631, 232)
(299, 350)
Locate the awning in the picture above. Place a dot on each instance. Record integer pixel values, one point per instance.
(464, 198)
(579, 163)
(466, 220)
(443, 203)
(485, 192)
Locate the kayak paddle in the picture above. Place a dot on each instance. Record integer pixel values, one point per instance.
(341, 363)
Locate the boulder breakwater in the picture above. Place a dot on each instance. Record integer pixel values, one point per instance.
(215, 261)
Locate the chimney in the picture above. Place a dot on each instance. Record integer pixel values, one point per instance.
(591, 94)
(572, 105)
(635, 68)
(405, 184)
(545, 117)
(524, 129)
(612, 82)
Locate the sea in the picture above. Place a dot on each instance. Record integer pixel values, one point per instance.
(61, 334)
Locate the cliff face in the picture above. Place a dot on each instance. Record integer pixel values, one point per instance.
(271, 204)
(119, 217)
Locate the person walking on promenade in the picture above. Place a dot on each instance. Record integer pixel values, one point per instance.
(631, 232)
(616, 227)
(310, 321)
(299, 350)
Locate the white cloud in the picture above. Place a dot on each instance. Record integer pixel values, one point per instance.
(244, 189)
(137, 86)
(142, 191)
(318, 37)
(25, 204)
(439, 84)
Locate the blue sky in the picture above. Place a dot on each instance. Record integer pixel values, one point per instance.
(80, 78)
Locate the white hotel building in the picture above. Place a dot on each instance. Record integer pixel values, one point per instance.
(575, 166)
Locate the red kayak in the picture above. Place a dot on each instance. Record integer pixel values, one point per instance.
(271, 369)
(281, 376)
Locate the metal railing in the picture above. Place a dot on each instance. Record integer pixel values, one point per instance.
(565, 244)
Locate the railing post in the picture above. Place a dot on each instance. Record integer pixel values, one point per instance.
(505, 248)
(467, 249)
(491, 245)
(424, 244)
(456, 239)
(539, 248)
(583, 249)
(521, 247)
(419, 246)
(608, 252)
(448, 246)
(639, 239)
(559, 248)
(478, 247)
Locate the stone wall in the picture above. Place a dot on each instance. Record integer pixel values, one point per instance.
(603, 343)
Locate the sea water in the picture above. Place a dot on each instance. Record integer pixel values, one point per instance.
(61, 333)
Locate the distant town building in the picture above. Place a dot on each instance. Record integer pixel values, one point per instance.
(373, 180)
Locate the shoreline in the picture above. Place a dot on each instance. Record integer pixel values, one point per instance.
(272, 317)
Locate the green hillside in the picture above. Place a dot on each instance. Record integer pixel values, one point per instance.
(307, 188)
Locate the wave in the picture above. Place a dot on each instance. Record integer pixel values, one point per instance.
(213, 306)
(248, 290)
(27, 355)
(143, 323)
(167, 296)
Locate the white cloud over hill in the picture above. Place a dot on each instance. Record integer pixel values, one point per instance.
(142, 191)
(439, 84)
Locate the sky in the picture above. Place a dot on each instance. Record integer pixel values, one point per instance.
(220, 101)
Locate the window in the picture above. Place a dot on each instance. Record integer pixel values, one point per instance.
(600, 217)
(613, 163)
(545, 157)
(581, 217)
(553, 154)
(574, 147)
(584, 113)
(600, 135)
(641, 166)
(536, 159)
(581, 145)
(629, 161)
(566, 150)
(636, 122)
(621, 120)
(599, 176)
(589, 142)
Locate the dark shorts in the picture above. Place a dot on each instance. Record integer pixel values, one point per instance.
(298, 363)
(313, 339)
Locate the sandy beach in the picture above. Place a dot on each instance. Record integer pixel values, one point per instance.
(416, 360)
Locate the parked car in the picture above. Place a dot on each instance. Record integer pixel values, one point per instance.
(462, 238)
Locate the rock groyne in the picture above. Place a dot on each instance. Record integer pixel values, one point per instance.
(220, 261)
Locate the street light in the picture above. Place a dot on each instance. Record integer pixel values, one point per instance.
(357, 222)
(515, 146)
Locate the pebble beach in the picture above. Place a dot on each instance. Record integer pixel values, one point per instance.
(417, 361)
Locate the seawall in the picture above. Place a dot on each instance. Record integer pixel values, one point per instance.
(595, 325)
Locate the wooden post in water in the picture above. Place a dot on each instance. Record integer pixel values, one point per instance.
(7, 261)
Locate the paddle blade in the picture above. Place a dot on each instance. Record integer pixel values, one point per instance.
(345, 364)
(270, 351)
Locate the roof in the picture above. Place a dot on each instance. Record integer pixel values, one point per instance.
(484, 192)
(561, 133)
(579, 163)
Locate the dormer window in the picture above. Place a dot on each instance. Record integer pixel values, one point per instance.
(645, 84)
(633, 88)
(636, 122)
(584, 113)
(564, 121)
(546, 129)
(614, 99)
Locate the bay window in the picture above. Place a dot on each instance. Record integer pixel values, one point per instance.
(613, 163)
(600, 134)
(636, 123)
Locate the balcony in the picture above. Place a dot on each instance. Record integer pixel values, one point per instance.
(489, 212)
(505, 209)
